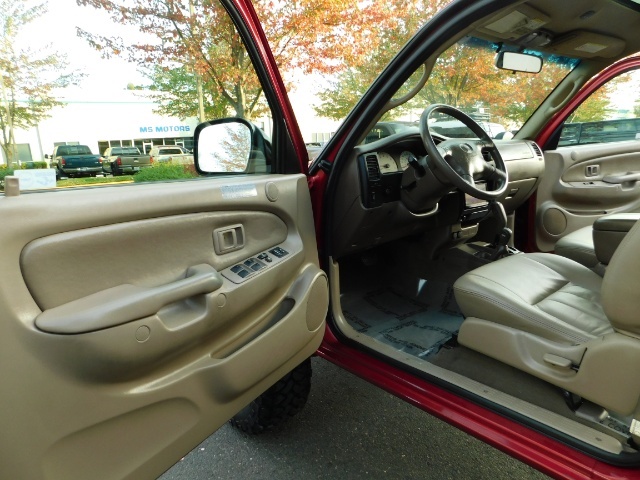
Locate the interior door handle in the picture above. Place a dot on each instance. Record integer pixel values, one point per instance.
(622, 177)
(126, 303)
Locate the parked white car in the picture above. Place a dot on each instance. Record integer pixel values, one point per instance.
(171, 153)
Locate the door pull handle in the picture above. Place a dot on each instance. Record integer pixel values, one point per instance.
(126, 303)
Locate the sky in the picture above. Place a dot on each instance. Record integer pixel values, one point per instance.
(58, 27)
(105, 78)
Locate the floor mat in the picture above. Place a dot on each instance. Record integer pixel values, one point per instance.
(417, 323)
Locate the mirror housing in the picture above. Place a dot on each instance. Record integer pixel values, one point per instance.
(519, 62)
(230, 145)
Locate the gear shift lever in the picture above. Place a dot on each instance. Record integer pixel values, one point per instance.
(504, 233)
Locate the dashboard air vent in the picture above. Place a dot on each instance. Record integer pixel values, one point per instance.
(536, 149)
(373, 169)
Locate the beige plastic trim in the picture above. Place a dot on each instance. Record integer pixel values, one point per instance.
(602, 370)
(622, 178)
(568, 200)
(126, 303)
(131, 399)
(56, 266)
(617, 222)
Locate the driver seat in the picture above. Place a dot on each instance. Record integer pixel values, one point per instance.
(559, 321)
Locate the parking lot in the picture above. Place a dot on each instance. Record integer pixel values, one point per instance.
(337, 436)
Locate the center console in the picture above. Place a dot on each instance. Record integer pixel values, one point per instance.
(474, 209)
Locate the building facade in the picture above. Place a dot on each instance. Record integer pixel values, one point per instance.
(126, 120)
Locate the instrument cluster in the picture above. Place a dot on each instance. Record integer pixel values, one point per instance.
(389, 163)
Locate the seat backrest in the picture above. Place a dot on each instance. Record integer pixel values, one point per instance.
(621, 285)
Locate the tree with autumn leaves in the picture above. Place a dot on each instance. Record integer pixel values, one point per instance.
(28, 77)
(464, 77)
(191, 41)
(190, 38)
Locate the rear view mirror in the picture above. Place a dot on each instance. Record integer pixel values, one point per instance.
(519, 62)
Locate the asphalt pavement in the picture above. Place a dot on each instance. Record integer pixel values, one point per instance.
(350, 429)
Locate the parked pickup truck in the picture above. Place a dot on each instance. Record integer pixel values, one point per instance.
(170, 154)
(121, 160)
(75, 161)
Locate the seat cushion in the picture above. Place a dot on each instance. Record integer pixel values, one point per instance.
(578, 246)
(541, 293)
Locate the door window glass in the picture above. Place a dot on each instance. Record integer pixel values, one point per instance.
(610, 114)
(124, 77)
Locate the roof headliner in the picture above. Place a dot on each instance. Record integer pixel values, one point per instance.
(615, 19)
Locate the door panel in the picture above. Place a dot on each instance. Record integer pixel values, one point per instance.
(582, 183)
(127, 333)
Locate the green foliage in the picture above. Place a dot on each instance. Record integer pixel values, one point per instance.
(464, 76)
(4, 171)
(27, 74)
(403, 19)
(175, 91)
(598, 106)
(339, 98)
(78, 182)
(165, 171)
(595, 108)
(32, 165)
(196, 37)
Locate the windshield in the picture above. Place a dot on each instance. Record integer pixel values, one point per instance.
(465, 77)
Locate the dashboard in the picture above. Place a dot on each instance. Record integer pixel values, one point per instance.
(369, 207)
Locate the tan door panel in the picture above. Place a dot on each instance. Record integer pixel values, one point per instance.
(57, 268)
(582, 183)
(128, 333)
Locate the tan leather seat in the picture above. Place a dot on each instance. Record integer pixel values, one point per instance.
(558, 320)
(578, 246)
(541, 293)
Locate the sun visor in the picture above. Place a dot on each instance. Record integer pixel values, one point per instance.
(516, 24)
(583, 44)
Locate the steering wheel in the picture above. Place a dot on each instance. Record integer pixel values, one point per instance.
(461, 160)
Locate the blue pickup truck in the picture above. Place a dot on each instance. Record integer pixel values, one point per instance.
(75, 161)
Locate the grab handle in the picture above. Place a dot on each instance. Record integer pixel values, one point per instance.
(126, 303)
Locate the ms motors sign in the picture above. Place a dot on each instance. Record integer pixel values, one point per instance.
(165, 129)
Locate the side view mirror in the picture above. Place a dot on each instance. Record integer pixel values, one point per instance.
(519, 62)
(229, 145)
